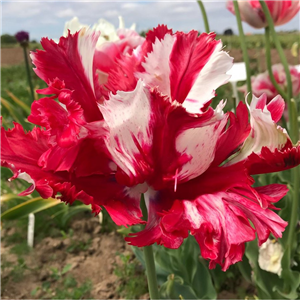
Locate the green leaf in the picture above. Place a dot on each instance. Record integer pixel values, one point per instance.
(183, 263)
(31, 206)
(11, 110)
(66, 269)
(290, 278)
(14, 113)
(245, 268)
(9, 197)
(269, 285)
(19, 102)
(73, 210)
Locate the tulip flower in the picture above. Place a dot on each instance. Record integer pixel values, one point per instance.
(108, 31)
(282, 11)
(261, 84)
(270, 256)
(150, 129)
(111, 43)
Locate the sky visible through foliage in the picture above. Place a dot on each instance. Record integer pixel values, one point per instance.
(47, 18)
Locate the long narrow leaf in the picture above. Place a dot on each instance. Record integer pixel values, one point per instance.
(31, 206)
(13, 111)
(73, 210)
(10, 109)
(19, 102)
(8, 197)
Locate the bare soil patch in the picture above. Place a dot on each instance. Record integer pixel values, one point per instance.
(12, 56)
(89, 257)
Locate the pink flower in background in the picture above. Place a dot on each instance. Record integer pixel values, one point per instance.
(149, 128)
(282, 11)
(261, 84)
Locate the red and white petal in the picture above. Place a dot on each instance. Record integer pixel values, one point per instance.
(159, 33)
(264, 131)
(156, 66)
(234, 136)
(200, 145)
(211, 76)
(268, 161)
(220, 224)
(71, 60)
(249, 14)
(128, 117)
(223, 231)
(120, 76)
(154, 232)
(265, 221)
(121, 202)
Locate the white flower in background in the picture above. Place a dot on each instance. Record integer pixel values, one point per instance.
(269, 257)
(108, 30)
(73, 25)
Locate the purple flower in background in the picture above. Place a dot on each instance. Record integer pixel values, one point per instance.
(22, 37)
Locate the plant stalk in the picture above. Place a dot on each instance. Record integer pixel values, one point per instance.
(28, 72)
(294, 130)
(151, 273)
(244, 46)
(269, 65)
(296, 184)
(149, 260)
(293, 134)
(204, 15)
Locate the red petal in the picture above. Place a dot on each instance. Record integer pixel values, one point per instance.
(65, 61)
(234, 136)
(268, 161)
(189, 55)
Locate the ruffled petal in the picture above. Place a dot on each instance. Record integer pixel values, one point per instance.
(71, 60)
(156, 66)
(154, 232)
(64, 122)
(157, 33)
(198, 67)
(264, 130)
(234, 136)
(200, 145)
(121, 202)
(127, 116)
(219, 222)
(209, 79)
(21, 151)
(268, 161)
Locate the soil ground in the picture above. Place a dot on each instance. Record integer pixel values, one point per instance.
(87, 255)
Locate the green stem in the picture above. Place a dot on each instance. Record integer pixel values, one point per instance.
(149, 259)
(151, 273)
(294, 135)
(244, 46)
(296, 180)
(269, 64)
(28, 72)
(204, 15)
